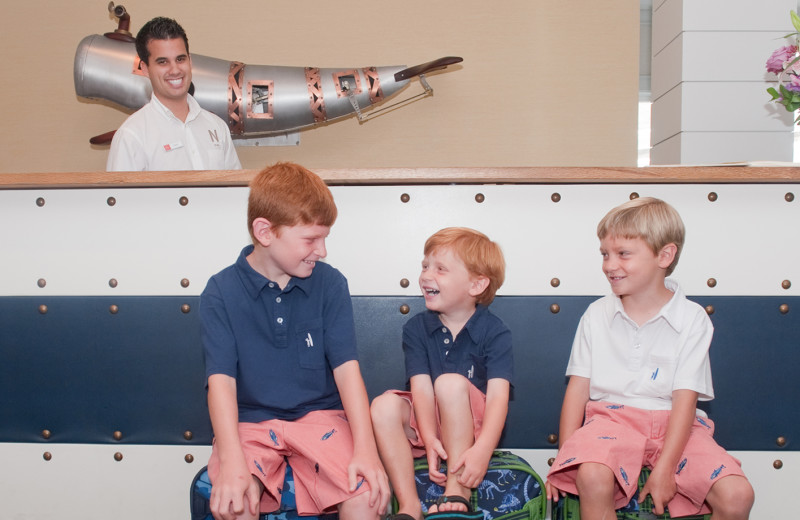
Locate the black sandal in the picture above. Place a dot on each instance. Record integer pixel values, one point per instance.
(469, 514)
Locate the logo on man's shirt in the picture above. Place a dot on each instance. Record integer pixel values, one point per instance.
(213, 135)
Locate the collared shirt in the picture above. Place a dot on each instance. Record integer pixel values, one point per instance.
(481, 351)
(153, 139)
(281, 346)
(642, 366)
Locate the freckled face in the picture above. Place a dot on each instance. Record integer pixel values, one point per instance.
(445, 282)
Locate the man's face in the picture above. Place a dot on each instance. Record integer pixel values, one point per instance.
(169, 69)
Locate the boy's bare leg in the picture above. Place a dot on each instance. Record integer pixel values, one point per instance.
(390, 421)
(731, 498)
(455, 414)
(358, 508)
(596, 483)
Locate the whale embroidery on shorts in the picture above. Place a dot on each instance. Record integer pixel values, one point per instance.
(328, 435)
(624, 476)
(681, 466)
(717, 471)
(273, 436)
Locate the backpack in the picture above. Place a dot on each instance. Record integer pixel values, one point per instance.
(568, 507)
(200, 493)
(511, 489)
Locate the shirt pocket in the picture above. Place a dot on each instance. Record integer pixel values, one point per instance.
(308, 339)
(659, 376)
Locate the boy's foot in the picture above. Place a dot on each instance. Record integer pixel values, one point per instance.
(463, 510)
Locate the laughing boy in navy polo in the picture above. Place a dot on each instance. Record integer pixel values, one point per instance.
(284, 383)
(459, 365)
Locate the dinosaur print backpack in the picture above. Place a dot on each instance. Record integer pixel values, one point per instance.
(511, 489)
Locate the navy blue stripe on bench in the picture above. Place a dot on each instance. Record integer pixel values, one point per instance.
(83, 372)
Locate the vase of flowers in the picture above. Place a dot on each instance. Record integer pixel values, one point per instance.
(785, 63)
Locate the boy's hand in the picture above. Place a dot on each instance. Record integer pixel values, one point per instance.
(362, 468)
(661, 487)
(471, 466)
(553, 493)
(233, 491)
(435, 452)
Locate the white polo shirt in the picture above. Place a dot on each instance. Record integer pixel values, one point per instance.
(153, 139)
(642, 366)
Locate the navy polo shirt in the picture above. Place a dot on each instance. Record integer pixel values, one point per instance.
(281, 346)
(482, 350)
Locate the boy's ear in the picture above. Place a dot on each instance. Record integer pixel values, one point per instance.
(667, 255)
(262, 231)
(479, 284)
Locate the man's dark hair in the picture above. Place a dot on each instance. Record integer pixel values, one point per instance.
(159, 28)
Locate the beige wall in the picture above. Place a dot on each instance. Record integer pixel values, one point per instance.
(543, 83)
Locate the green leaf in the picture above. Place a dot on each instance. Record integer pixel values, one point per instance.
(774, 93)
(795, 20)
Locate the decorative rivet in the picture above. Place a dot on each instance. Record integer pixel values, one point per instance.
(189, 458)
(555, 282)
(183, 201)
(789, 197)
(778, 464)
(185, 308)
(709, 309)
(113, 309)
(40, 201)
(404, 309)
(555, 197)
(633, 195)
(781, 441)
(712, 196)
(112, 283)
(117, 435)
(480, 197)
(47, 455)
(550, 461)
(786, 284)
(188, 435)
(712, 282)
(552, 438)
(41, 282)
(46, 434)
(184, 282)
(111, 201)
(554, 308)
(784, 308)
(404, 283)
(118, 456)
(405, 197)
(42, 309)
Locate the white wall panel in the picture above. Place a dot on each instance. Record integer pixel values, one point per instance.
(149, 242)
(86, 482)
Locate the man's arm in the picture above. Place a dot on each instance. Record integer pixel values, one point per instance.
(661, 483)
(475, 460)
(366, 461)
(125, 153)
(234, 488)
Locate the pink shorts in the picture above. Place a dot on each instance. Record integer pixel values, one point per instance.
(318, 447)
(625, 438)
(477, 404)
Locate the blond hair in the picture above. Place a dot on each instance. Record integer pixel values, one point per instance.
(481, 256)
(648, 218)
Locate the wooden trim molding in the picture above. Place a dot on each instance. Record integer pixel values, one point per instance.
(374, 176)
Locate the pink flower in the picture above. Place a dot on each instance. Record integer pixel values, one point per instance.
(793, 84)
(781, 56)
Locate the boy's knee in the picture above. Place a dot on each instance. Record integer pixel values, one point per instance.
(451, 387)
(732, 497)
(358, 508)
(386, 407)
(593, 478)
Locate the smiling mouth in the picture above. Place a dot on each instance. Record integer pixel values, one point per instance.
(432, 292)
